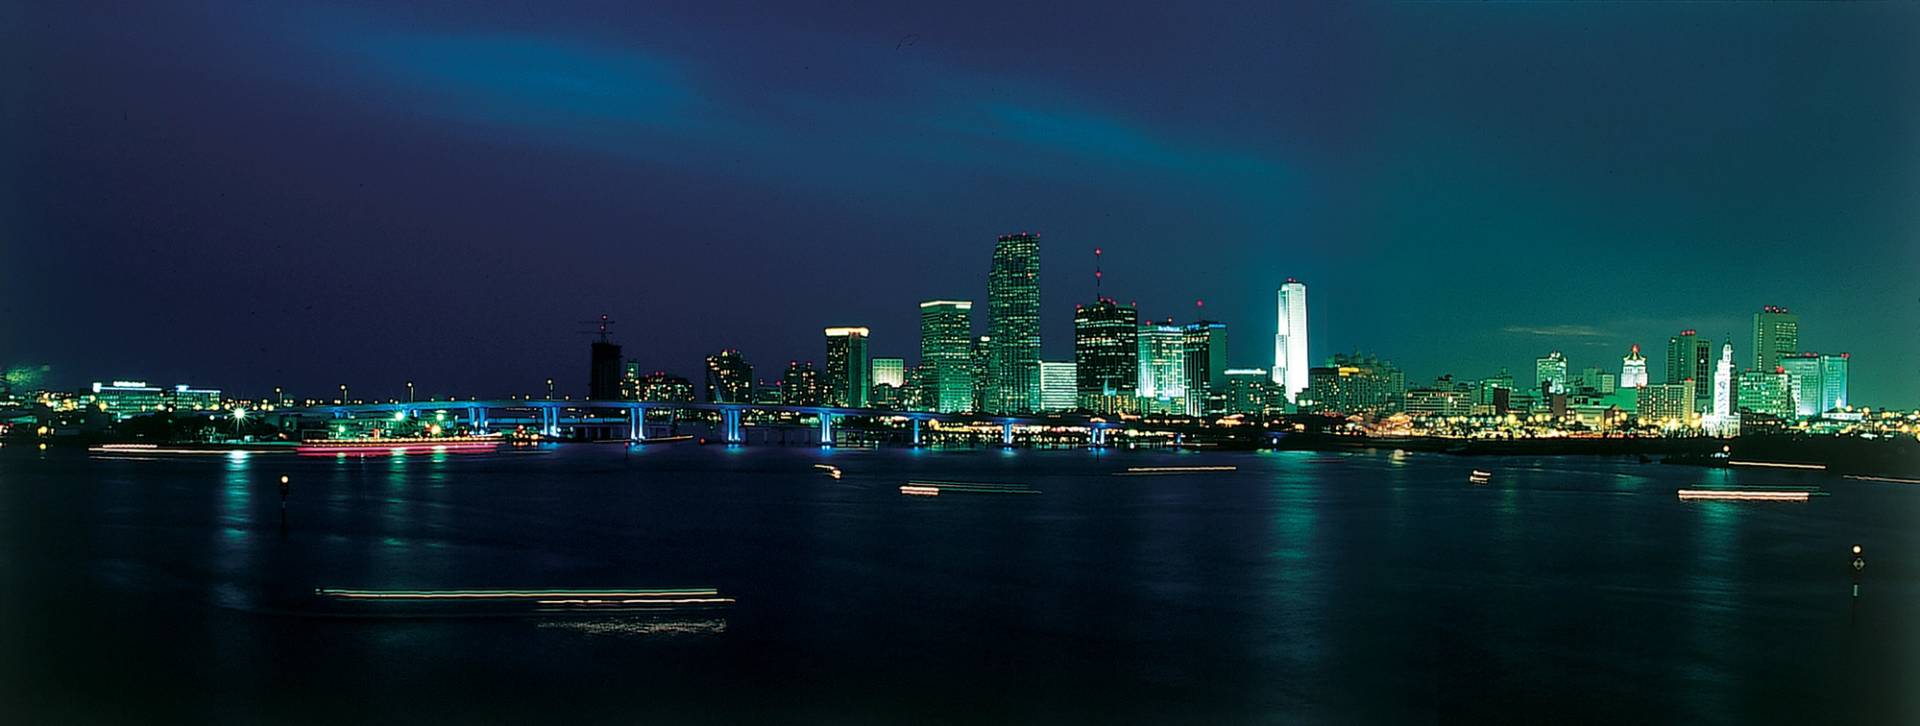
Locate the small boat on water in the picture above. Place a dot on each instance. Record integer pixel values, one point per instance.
(1480, 478)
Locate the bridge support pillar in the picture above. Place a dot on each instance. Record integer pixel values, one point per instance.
(826, 429)
(1099, 436)
(1006, 433)
(636, 423)
(916, 432)
(730, 428)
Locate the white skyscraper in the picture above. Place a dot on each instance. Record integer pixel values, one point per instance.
(1633, 369)
(1290, 339)
(1720, 421)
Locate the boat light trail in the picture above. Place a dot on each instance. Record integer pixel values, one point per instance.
(654, 595)
(1151, 470)
(1774, 495)
(1776, 464)
(919, 491)
(1893, 479)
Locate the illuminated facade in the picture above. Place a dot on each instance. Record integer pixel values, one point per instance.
(946, 365)
(1290, 339)
(1252, 390)
(1013, 325)
(1776, 334)
(657, 386)
(1817, 382)
(1163, 369)
(1550, 373)
(848, 369)
(1204, 350)
(1667, 405)
(1356, 384)
(729, 378)
(125, 399)
(1764, 392)
(1633, 369)
(801, 386)
(1059, 389)
(1106, 352)
(889, 372)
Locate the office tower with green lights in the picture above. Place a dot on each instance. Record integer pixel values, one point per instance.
(1106, 353)
(1776, 334)
(848, 369)
(946, 339)
(1013, 325)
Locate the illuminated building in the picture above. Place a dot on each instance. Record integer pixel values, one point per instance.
(1163, 368)
(1550, 373)
(1204, 349)
(1720, 419)
(1690, 357)
(1059, 390)
(946, 364)
(124, 399)
(659, 386)
(980, 364)
(1633, 369)
(1497, 382)
(848, 369)
(1356, 384)
(1764, 392)
(1013, 325)
(889, 372)
(1290, 339)
(1443, 398)
(729, 378)
(1106, 352)
(1776, 333)
(1252, 390)
(195, 399)
(1817, 382)
(1595, 382)
(1668, 405)
(801, 386)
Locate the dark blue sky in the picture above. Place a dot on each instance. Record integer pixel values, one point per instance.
(262, 193)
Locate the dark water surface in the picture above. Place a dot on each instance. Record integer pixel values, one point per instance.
(1301, 588)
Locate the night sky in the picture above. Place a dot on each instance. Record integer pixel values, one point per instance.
(254, 194)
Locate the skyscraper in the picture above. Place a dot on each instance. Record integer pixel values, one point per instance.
(801, 386)
(1817, 382)
(729, 378)
(848, 370)
(1633, 369)
(1550, 373)
(1013, 324)
(1290, 340)
(1106, 351)
(1356, 384)
(1768, 393)
(1059, 389)
(1205, 356)
(604, 383)
(1690, 358)
(1163, 368)
(1720, 420)
(946, 332)
(1776, 333)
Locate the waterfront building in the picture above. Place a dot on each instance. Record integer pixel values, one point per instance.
(1497, 382)
(769, 393)
(1633, 369)
(1106, 352)
(1776, 333)
(1444, 398)
(1356, 384)
(1013, 325)
(980, 365)
(1162, 359)
(1290, 339)
(801, 386)
(187, 398)
(729, 378)
(1690, 357)
(1766, 393)
(1059, 388)
(848, 379)
(889, 372)
(658, 386)
(1550, 373)
(123, 399)
(1204, 349)
(603, 383)
(1817, 382)
(1667, 405)
(946, 363)
(1721, 419)
(1253, 390)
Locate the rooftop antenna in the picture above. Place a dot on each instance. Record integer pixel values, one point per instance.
(1096, 274)
(605, 329)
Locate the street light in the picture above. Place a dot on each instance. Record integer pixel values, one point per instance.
(409, 391)
(549, 389)
(343, 394)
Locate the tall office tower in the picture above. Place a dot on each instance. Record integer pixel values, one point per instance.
(1723, 383)
(604, 383)
(1290, 340)
(1163, 368)
(980, 365)
(1106, 352)
(889, 372)
(729, 378)
(946, 363)
(1776, 333)
(1633, 369)
(1817, 382)
(1013, 324)
(1690, 358)
(1204, 348)
(801, 386)
(1764, 392)
(1059, 389)
(848, 370)
(1550, 373)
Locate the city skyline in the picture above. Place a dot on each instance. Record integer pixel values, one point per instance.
(346, 224)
